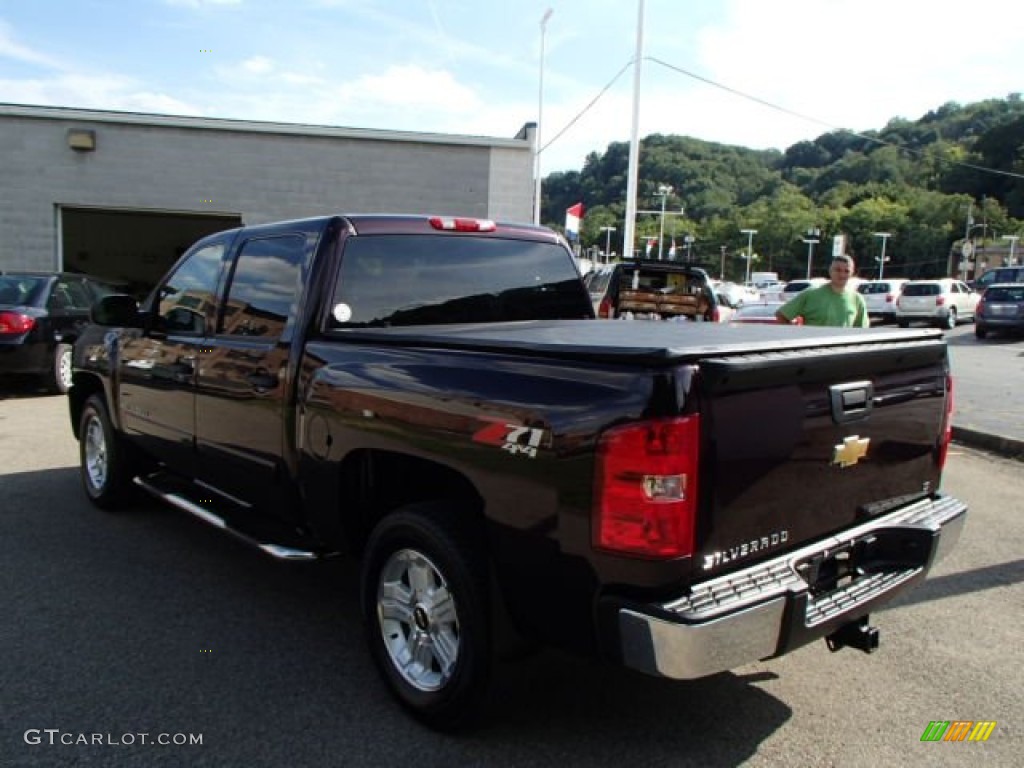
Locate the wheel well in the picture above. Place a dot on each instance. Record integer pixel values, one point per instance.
(374, 483)
(83, 386)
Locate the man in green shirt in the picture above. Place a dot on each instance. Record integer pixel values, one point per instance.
(834, 303)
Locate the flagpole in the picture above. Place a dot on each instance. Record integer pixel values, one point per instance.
(634, 143)
(540, 110)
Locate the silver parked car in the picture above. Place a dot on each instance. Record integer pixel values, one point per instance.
(943, 302)
(880, 297)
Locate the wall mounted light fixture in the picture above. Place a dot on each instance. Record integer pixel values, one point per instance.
(82, 141)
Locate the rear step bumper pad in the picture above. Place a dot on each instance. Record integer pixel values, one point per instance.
(769, 609)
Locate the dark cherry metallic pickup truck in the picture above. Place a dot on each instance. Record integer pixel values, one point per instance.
(435, 397)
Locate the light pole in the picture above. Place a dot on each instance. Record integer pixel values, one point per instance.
(750, 250)
(607, 242)
(811, 240)
(1013, 241)
(540, 111)
(881, 260)
(664, 190)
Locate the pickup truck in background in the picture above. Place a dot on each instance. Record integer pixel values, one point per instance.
(435, 397)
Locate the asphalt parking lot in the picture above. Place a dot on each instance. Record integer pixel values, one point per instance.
(152, 623)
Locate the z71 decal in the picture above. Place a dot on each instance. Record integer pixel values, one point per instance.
(514, 438)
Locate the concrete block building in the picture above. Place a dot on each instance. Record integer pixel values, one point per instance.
(121, 195)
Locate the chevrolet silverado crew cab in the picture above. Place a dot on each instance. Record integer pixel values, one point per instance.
(434, 397)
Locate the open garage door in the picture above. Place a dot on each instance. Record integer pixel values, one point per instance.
(131, 249)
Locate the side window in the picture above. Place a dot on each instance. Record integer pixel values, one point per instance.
(79, 295)
(264, 287)
(186, 298)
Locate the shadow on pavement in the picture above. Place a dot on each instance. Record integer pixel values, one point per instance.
(964, 583)
(175, 625)
(12, 388)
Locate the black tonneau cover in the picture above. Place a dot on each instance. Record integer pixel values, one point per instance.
(625, 341)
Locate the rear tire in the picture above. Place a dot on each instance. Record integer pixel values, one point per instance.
(59, 377)
(425, 603)
(980, 332)
(950, 323)
(104, 469)
(903, 323)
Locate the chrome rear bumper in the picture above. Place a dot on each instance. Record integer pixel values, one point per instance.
(769, 609)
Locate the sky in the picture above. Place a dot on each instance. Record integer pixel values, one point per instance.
(755, 73)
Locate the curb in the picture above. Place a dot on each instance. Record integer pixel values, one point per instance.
(1009, 447)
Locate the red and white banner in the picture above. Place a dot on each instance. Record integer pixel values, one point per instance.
(573, 214)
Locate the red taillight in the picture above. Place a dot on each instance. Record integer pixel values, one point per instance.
(940, 300)
(15, 322)
(716, 315)
(645, 492)
(604, 309)
(453, 224)
(890, 298)
(980, 309)
(947, 424)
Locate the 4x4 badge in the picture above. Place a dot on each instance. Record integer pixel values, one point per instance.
(514, 438)
(850, 451)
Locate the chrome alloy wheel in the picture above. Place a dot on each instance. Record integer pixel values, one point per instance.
(418, 620)
(64, 371)
(95, 454)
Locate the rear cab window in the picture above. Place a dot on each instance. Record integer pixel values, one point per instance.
(399, 280)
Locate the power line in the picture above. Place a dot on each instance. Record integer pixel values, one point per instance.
(589, 106)
(793, 113)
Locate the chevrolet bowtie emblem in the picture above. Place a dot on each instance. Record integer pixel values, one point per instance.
(852, 450)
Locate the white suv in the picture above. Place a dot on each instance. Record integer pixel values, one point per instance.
(880, 296)
(943, 302)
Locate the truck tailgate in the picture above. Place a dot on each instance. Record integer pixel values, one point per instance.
(802, 444)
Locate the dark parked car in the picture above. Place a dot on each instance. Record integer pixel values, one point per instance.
(1001, 308)
(999, 275)
(41, 315)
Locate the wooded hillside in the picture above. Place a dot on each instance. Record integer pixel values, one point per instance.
(918, 180)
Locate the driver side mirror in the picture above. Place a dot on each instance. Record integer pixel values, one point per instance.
(117, 309)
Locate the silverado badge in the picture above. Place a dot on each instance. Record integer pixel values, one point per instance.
(850, 451)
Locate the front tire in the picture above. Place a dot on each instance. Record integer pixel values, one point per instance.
(103, 466)
(424, 600)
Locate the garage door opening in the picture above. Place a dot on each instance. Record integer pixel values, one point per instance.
(131, 249)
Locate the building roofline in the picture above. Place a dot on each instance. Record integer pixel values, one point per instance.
(256, 126)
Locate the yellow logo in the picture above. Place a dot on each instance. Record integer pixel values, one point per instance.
(852, 450)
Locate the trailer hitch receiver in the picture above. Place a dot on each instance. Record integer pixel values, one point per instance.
(856, 634)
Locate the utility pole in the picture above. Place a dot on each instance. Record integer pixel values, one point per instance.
(966, 248)
(1013, 241)
(750, 249)
(664, 190)
(607, 242)
(629, 226)
(812, 239)
(881, 261)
